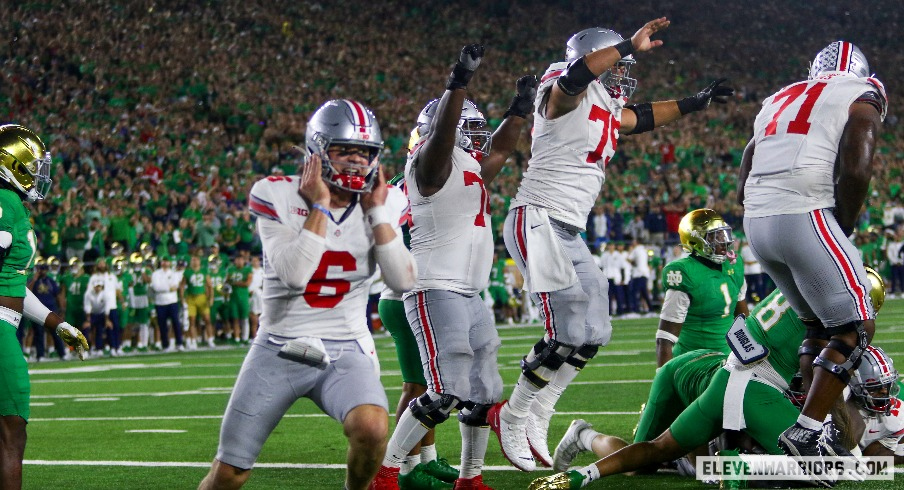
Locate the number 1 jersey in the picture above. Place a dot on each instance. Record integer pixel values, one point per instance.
(797, 134)
(333, 303)
(569, 154)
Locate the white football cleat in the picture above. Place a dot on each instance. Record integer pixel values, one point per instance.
(570, 445)
(512, 438)
(538, 432)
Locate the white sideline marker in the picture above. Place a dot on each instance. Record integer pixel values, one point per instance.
(156, 431)
(97, 399)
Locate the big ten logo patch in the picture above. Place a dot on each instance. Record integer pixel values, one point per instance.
(298, 211)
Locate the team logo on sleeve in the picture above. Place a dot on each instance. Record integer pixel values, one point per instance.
(673, 278)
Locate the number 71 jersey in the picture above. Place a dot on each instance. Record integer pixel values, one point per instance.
(797, 134)
(569, 154)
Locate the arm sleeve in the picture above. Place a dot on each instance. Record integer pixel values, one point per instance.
(675, 306)
(742, 294)
(397, 263)
(33, 309)
(293, 256)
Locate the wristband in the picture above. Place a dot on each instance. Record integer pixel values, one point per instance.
(662, 334)
(625, 48)
(377, 215)
(319, 207)
(459, 77)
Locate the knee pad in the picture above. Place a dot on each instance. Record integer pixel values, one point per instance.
(432, 409)
(548, 357)
(474, 414)
(852, 354)
(581, 355)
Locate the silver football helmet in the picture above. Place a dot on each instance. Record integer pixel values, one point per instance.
(615, 79)
(874, 383)
(345, 122)
(470, 137)
(840, 56)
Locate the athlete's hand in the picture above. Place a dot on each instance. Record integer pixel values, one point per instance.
(641, 39)
(715, 92)
(468, 61)
(73, 338)
(312, 187)
(523, 102)
(377, 195)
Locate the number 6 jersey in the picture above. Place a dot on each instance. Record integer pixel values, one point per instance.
(333, 303)
(797, 134)
(569, 154)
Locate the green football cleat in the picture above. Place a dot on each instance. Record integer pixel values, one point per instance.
(441, 469)
(420, 479)
(569, 480)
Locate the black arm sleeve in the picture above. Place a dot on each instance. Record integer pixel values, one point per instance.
(644, 114)
(575, 78)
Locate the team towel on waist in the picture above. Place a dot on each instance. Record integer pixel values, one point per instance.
(549, 267)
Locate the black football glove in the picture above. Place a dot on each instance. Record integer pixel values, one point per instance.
(715, 92)
(468, 61)
(523, 103)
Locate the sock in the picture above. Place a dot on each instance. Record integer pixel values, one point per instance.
(428, 453)
(473, 449)
(409, 463)
(590, 473)
(586, 438)
(522, 397)
(143, 335)
(809, 423)
(408, 432)
(246, 328)
(549, 395)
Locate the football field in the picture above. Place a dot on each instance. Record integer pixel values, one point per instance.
(152, 421)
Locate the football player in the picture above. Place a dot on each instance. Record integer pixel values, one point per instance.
(24, 175)
(704, 291)
(747, 394)
(323, 234)
(802, 184)
(580, 112)
(197, 292)
(451, 238)
(874, 391)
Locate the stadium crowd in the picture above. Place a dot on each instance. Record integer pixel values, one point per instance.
(161, 120)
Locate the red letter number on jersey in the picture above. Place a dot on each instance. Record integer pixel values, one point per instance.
(610, 126)
(472, 178)
(801, 123)
(327, 293)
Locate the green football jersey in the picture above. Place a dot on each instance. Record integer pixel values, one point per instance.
(126, 279)
(195, 282)
(218, 281)
(17, 265)
(775, 325)
(237, 276)
(714, 295)
(497, 274)
(75, 287)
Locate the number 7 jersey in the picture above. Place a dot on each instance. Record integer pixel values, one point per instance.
(797, 134)
(569, 154)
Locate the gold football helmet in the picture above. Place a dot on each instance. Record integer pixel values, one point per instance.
(24, 161)
(53, 263)
(118, 265)
(877, 293)
(117, 249)
(76, 266)
(146, 250)
(705, 233)
(214, 262)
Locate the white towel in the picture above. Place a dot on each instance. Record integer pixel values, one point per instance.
(549, 267)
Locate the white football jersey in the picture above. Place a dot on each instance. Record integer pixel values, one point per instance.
(887, 429)
(569, 154)
(796, 134)
(333, 305)
(451, 239)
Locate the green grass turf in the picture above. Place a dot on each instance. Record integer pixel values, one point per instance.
(188, 392)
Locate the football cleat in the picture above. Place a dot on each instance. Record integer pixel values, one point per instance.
(420, 479)
(569, 480)
(512, 439)
(387, 479)
(570, 445)
(440, 468)
(537, 433)
(797, 441)
(475, 483)
(831, 444)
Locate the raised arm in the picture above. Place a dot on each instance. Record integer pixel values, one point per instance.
(640, 118)
(434, 164)
(506, 136)
(571, 87)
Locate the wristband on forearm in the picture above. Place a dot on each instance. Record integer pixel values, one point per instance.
(625, 48)
(378, 215)
(459, 77)
(322, 209)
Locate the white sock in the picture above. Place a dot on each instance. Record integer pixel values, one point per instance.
(586, 438)
(143, 334)
(428, 453)
(522, 397)
(550, 394)
(473, 449)
(409, 463)
(408, 432)
(809, 423)
(590, 473)
(246, 328)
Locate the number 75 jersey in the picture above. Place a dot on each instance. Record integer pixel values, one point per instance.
(569, 154)
(797, 134)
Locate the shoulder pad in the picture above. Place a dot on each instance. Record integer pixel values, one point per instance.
(398, 205)
(268, 194)
(553, 72)
(675, 276)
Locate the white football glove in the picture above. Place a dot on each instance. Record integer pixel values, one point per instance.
(73, 337)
